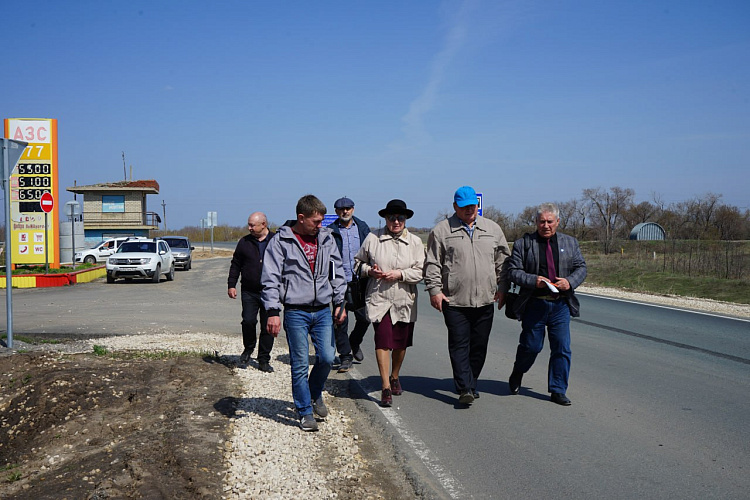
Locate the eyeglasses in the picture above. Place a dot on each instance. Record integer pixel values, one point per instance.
(394, 218)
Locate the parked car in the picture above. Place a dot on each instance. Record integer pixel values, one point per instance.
(100, 252)
(182, 251)
(141, 258)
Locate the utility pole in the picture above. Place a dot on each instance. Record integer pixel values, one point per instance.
(124, 168)
(164, 211)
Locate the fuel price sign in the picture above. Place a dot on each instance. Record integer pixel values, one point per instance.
(34, 177)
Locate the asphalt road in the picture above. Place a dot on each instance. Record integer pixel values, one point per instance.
(660, 409)
(660, 396)
(196, 301)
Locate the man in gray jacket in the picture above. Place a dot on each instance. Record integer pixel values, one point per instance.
(302, 273)
(463, 273)
(548, 266)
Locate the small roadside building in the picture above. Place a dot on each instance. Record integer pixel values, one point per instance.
(115, 209)
(648, 231)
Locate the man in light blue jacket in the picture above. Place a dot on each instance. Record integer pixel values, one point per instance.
(302, 272)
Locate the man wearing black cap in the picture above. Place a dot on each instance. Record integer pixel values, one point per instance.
(464, 275)
(349, 233)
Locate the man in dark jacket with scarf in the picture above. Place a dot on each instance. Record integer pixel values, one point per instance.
(349, 233)
(548, 266)
(247, 262)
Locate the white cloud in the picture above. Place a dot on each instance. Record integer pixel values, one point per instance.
(414, 129)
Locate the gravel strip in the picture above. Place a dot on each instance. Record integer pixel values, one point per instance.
(268, 456)
(698, 304)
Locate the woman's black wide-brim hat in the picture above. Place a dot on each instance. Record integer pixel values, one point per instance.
(397, 207)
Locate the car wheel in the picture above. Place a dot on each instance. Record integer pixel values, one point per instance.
(110, 278)
(90, 259)
(189, 265)
(157, 274)
(170, 274)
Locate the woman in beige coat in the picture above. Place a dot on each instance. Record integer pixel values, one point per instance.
(392, 257)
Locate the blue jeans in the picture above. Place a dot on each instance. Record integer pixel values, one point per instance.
(318, 325)
(555, 316)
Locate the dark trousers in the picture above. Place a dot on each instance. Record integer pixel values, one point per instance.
(251, 306)
(468, 334)
(346, 344)
(554, 316)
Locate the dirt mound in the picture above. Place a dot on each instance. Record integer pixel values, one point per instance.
(86, 426)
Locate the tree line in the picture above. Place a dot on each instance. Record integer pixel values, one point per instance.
(601, 215)
(609, 215)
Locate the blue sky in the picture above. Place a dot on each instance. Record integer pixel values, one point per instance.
(238, 106)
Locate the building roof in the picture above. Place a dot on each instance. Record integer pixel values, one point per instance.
(648, 231)
(149, 186)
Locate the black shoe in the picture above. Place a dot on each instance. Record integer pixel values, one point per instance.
(346, 365)
(560, 399)
(466, 398)
(245, 356)
(475, 394)
(514, 382)
(265, 367)
(359, 355)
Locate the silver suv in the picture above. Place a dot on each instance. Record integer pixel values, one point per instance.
(182, 251)
(141, 258)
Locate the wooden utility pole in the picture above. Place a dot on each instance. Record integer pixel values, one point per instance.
(164, 211)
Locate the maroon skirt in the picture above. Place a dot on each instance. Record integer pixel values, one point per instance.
(390, 336)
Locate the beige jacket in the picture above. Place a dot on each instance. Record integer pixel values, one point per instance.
(405, 253)
(467, 270)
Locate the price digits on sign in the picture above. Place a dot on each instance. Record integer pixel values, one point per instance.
(34, 182)
(34, 179)
(31, 194)
(34, 169)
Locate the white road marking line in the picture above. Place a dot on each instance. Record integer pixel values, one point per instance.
(632, 301)
(445, 478)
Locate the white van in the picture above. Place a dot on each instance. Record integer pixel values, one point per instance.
(100, 252)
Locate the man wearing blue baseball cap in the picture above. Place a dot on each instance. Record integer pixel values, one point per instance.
(463, 273)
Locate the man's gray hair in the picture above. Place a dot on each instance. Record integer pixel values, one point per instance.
(309, 205)
(547, 208)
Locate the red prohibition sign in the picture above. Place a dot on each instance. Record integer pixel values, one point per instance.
(47, 202)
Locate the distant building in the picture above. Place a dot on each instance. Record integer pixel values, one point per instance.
(648, 231)
(117, 209)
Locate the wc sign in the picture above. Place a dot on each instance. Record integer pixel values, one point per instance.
(479, 204)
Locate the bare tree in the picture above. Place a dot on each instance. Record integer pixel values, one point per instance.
(442, 215)
(492, 213)
(644, 211)
(698, 217)
(606, 209)
(572, 218)
(730, 222)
